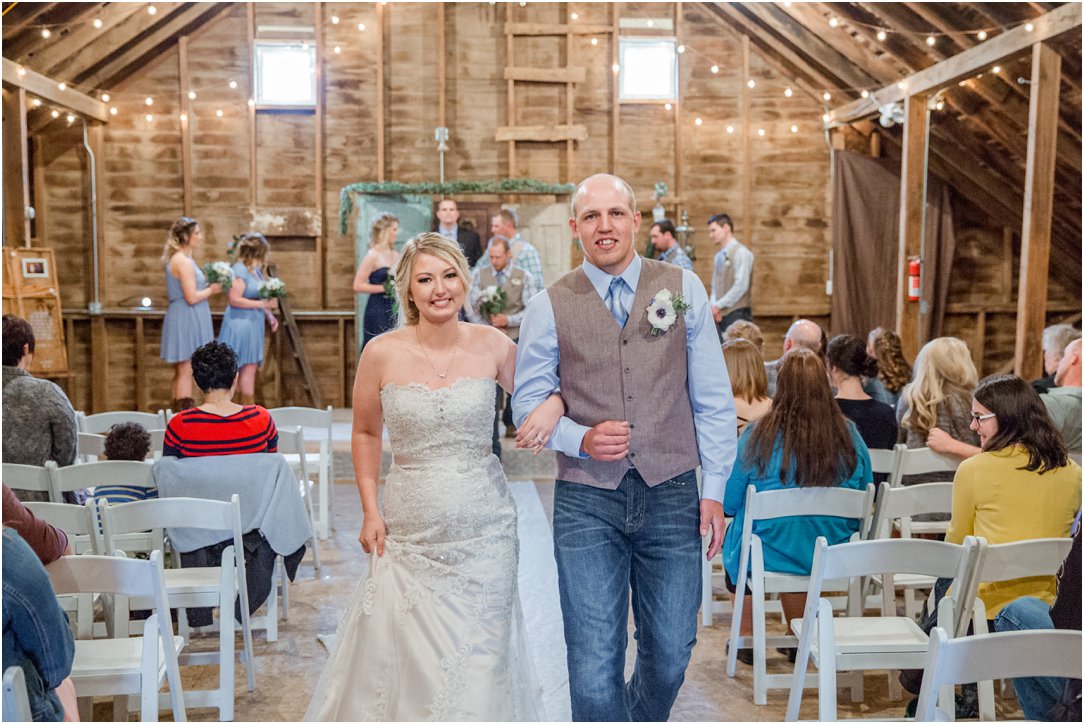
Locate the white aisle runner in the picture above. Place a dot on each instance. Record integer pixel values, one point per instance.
(541, 602)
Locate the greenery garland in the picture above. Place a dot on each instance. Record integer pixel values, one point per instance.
(449, 188)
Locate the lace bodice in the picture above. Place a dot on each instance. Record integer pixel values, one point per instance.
(447, 422)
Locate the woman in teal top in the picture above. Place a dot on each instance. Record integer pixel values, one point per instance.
(823, 449)
(243, 323)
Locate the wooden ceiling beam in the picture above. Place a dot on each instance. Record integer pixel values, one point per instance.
(857, 52)
(60, 59)
(966, 64)
(62, 20)
(865, 23)
(18, 24)
(49, 89)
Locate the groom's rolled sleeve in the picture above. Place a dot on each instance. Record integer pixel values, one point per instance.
(536, 374)
(714, 416)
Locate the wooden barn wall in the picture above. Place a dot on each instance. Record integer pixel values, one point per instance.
(775, 186)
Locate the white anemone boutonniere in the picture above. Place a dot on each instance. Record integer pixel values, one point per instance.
(664, 310)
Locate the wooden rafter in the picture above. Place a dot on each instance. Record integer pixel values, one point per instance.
(49, 89)
(79, 49)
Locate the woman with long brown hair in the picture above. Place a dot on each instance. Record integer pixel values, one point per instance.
(803, 441)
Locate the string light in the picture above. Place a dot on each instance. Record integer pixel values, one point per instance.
(148, 101)
(55, 113)
(219, 113)
(150, 118)
(151, 10)
(21, 71)
(191, 95)
(337, 50)
(794, 129)
(827, 117)
(650, 23)
(184, 118)
(760, 132)
(833, 22)
(113, 111)
(361, 27)
(882, 35)
(996, 69)
(788, 92)
(751, 83)
(105, 97)
(981, 35)
(62, 86)
(97, 23)
(70, 118)
(616, 68)
(681, 49)
(931, 41)
(45, 32)
(669, 106)
(594, 41)
(233, 85)
(940, 105)
(714, 69)
(864, 93)
(36, 102)
(1029, 27)
(826, 96)
(699, 121)
(334, 19)
(730, 129)
(575, 16)
(251, 103)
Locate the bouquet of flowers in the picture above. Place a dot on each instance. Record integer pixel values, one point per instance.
(273, 288)
(494, 300)
(391, 293)
(219, 272)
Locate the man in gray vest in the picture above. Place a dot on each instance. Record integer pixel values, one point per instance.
(519, 286)
(631, 344)
(732, 275)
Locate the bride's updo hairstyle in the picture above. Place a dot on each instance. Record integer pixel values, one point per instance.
(435, 245)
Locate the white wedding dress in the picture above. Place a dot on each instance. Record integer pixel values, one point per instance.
(436, 630)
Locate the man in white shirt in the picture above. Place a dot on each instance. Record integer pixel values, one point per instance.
(732, 275)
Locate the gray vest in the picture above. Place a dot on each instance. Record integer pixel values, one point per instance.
(609, 373)
(513, 287)
(725, 280)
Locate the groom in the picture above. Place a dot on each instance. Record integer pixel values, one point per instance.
(644, 410)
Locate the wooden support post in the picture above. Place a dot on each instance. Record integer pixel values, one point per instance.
(342, 368)
(99, 365)
(1038, 210)
(381, 80)
(442, 69)
(875, 144)
(615, 90)
(676, 113)
(1006, 260)
(570, 112)
(510, 61)
(16, 168)
(140, 368)
(186, 128)
(251, 23)
(978, 346)
(912, 217)
(96, 139)
(321, 279)
(746, 147)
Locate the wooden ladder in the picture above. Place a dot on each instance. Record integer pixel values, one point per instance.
(308, 380)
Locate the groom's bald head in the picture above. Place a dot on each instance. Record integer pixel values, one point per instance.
(618, 183)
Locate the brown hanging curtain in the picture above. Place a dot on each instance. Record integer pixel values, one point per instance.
(865, 246)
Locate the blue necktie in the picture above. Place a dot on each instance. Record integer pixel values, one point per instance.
(613, 301)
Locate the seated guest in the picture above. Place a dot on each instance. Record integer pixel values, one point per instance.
(1048, 698)
(1021, 486)
(47, 541)
(36, 634)
(1063, 401)
(824, 450)
(893, 369)
(219, 426)
(744, 329)
(39, 422)
(848, 363)
(802, 334)
(935, 406)
(126, 441)
(748, 381)
(1056, 338)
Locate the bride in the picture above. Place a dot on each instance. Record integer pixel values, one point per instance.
(436, 631)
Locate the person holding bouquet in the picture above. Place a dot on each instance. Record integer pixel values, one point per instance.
(498, 296)
(243, 324)
(375, 279)
(187, 324)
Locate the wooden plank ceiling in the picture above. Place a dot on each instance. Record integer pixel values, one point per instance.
(978, 140)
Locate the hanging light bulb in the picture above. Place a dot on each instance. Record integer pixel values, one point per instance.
(45, 33)
(714, 69)
(361, 27)
(191, 95)
(1029, 27)
(575, 16)
(616, 68)
(62, 86)
(760, 132)
(105, 97)
(337, 50)
(233, 84)
(219, 113)
(55, 113)
(981, 35)
(334, 19)
(150, 118)
(699, 122)
(36, 102)
(751, 83)
(931, 41)
(184, 118)
(864, 93)
(148, 101)
(594, 41)
(669, 106)
(794, 129)
(97, 23)
(833, 22)
(113, 111)
(882, 35)
(788, 92)
(681, 48)
(151, 10)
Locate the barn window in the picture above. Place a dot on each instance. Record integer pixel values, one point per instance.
(285, 74)
(648, 69)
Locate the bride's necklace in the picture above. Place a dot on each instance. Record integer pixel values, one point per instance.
(455, 349)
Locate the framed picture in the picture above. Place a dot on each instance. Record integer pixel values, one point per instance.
(35, 267)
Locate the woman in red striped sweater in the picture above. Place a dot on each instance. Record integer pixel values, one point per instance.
(219, 426)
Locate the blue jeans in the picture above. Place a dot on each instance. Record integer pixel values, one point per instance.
(1037, 694)
(605, 542)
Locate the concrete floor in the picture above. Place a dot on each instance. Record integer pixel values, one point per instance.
(288, 669)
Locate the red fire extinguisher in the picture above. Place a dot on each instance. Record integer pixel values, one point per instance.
(914, 279)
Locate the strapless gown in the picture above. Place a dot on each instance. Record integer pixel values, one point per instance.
(435, 632)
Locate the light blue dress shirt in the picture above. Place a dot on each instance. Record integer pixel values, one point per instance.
(709, 383)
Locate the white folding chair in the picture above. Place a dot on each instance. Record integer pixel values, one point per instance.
(711, 570)
(89, 446)
(983, 657)
(214, 587)
(317, 424)
(292, 441)
(81, 526)
(135, 473)
(16, 703)
(858, 643)
(102, 421)
(28, 477)
(920, 460)
(770, 505)
(895, 509)
(1006, 562)
(884, 461)
(158, 441)
(120, 667)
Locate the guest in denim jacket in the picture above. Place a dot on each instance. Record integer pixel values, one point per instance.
(36, 633)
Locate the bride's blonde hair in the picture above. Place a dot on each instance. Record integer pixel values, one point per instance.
(435, 245)
(943, 369)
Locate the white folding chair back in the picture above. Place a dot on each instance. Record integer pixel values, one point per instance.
(769, 505)
(858, 643)
(124, 666)
(920, 460)
(101, 422)
(80, 524)
(28, 477)
(16, 703)
(884, 461)
(984, 657)
(135, 473)
(214, 587)
(317, 426)
(90, 446)
(158, 441)
(292, 441)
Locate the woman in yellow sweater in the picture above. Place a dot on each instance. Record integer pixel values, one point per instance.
(1021, 486)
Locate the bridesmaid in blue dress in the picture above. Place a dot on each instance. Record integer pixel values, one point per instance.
(187, 324)
(243, 324)
(376, 267)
